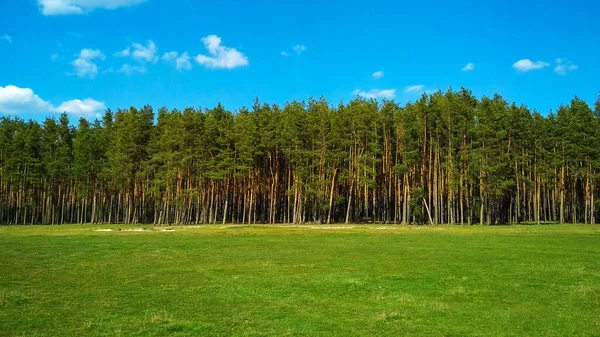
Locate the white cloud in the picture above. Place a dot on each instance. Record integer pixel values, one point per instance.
(84, 67)
(70, 7)
(14, 100)
(86, 108)
(376, 93)
(181, 62)
(6, 38)
(564, 66)
(170, 56)
(527, 65)
(54, 57)
(144, 53)
(414, 88)
(378, 74)
(470, 66)
(221, 57)
(123, 53)
(141, 54)
(130, 70)
(299, 48)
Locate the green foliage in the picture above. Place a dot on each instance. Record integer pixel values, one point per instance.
(399, 170)
(416, 205)
(473, 160)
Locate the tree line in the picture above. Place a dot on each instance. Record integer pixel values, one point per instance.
(447, 158)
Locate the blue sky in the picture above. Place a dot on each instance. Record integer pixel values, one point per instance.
(83, 56)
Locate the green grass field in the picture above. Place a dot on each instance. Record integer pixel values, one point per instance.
(300, 281)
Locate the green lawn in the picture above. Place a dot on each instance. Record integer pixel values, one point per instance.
(278, 281)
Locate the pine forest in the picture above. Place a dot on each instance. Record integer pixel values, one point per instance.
(447, 158)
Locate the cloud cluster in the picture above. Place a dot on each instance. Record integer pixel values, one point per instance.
(564, 66)
(141, 54)
(84, 65)
(14, 100)
(181, 62)
(299, 48)
(220, 57)
(76, 7)
(376, 93)
(6, 38)
(391, 93)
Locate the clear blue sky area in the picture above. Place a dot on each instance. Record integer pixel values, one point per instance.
(83, 56)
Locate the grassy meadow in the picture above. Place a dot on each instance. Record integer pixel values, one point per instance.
(300, 281)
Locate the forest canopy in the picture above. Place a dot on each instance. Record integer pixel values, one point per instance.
(447, 158)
